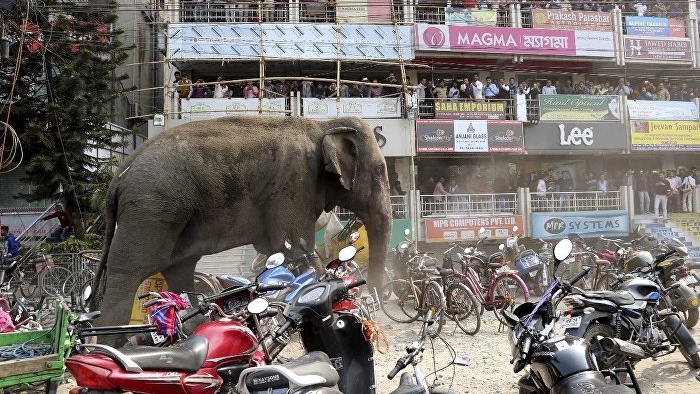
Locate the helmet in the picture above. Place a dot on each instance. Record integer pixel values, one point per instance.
(638, 259)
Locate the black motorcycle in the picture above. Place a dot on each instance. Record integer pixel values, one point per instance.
(558, 364)
(403, 253)
(633, 315)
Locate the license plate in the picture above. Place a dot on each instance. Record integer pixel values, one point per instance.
(157, 338)
(571, 322)
(688, 280)
(533, 274)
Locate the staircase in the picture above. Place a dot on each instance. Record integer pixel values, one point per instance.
(234, 261)
(684, 226)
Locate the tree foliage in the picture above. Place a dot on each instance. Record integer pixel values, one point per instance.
(58, 87)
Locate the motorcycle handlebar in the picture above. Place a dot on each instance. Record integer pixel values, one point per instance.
(525, 350)
(152, 302)
(262, 288)
(580, 275)
(400, 364)
(280, 331)
(355, 284)
(666, 255)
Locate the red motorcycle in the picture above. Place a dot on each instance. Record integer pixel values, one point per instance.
(213, 356)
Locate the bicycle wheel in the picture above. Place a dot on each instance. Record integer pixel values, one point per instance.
(606, 281)
(507, 293)
(51, 279)
(434, 300)
(28, 284)
(463, 308)
(400, 301)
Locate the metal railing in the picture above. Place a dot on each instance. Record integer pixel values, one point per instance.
(399, 208)
(575, 201)
(468, 204)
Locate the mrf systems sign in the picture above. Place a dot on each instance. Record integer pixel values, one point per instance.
(586, 224)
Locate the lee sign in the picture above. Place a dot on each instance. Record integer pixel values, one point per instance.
(467, 228)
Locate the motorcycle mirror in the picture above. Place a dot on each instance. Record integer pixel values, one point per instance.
(563, 249)
(406, 232)
(258, 305)
(347, 253)
(501, 247)
(511, 319)
(287, 245)
(274, 261)
(354, 236)
(482, 233)
(87, 292)
(515, 229)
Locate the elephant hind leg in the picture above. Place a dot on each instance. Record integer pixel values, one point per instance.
(180, 275)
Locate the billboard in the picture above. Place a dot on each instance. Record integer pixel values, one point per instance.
(208, 108)
(571, 20)
(560, 107)
(467, 228)
(363, 11)
(650, 26)
(351, 106)
(662, 110)
(468, 136)
(470, 16)
(575, 137)
(464, 39)
(662, 49)
(493, 110)
(665, 135)
(586, 224)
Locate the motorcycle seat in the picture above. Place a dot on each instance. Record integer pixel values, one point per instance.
(311, 369)
(622, 298)
(495, 265)
(408, 386)
(188, 355)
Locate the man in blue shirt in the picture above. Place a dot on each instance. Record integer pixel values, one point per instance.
(11, 241)
(490, 89)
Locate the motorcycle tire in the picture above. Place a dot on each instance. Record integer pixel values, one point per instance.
(595, 332)
(677, 336)
(691, 317)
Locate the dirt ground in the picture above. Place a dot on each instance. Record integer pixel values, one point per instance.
(489, 370)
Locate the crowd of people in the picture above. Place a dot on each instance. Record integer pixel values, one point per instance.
(304, 87)
(657, 192)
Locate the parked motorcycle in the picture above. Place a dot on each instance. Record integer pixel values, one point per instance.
(403, 253)
(527, 262)
(632, 315)
(558, 364)
(214, 355)
(339, 346)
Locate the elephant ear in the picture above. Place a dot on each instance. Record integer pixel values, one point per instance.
(340, 154)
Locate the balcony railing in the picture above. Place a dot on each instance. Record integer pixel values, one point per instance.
(468, 204)
(575, 201)
(399, 208)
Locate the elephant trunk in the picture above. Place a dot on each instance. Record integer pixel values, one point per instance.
(378, 226)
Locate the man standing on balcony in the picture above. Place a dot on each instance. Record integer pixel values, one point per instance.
(490, 90)
(477, 88)
(221, 90)
(661, 190)
(548, 88)
(642, 183)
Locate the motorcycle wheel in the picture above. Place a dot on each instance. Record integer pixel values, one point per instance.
(463, 308)
(690, 317)
(593, 334)
(400, 301)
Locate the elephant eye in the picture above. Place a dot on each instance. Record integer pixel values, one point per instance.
(378, 172)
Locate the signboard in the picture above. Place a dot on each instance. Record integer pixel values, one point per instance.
(665, 135)
(293, 41)
(663, 49)
(208, 108)
(571, 20)
(392, 136)
(560, 107)
(586, 224)
(155, 283)
(456, 39)
(662, 110)
(575, 137)
(363, 11)
(467, 228)
(21, 220)
(470, 16)
(650, 26)
(446, 136)
(493, 110)
(352, 106)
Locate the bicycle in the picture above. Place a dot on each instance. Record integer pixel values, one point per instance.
(407, 300)
(494, 285)
(601, 275)
(461, 305)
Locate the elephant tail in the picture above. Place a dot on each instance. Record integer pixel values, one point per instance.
(110, 227)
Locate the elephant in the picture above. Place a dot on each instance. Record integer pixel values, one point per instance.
(212, 185)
